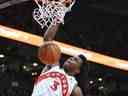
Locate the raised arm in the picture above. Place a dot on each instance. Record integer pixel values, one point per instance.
(49, 35)
(51, 32)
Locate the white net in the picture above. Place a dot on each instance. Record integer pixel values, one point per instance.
(50, 12)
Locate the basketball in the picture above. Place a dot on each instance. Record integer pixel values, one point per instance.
(49, 53)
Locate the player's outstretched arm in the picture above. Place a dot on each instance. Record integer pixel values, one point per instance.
(77, 91)
(51, 32)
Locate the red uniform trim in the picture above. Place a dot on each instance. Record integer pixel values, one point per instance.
(62, 77)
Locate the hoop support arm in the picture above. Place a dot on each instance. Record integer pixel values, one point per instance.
(34, 40)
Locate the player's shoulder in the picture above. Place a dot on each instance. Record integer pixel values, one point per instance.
(72, 79)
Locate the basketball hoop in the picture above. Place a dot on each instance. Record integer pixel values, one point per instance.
(51, 12)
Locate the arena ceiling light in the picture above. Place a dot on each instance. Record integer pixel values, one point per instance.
(35, 64)
(2, 55)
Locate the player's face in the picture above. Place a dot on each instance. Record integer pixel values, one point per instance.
(74, 64)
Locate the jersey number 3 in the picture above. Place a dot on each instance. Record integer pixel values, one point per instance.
(54, 85)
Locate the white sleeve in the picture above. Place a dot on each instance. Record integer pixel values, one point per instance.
(73, 83)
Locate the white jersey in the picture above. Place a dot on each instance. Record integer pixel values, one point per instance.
(54, 82)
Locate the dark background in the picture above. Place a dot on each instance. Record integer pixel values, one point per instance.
(97, 25)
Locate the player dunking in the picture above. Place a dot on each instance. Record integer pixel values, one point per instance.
(56, 81)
